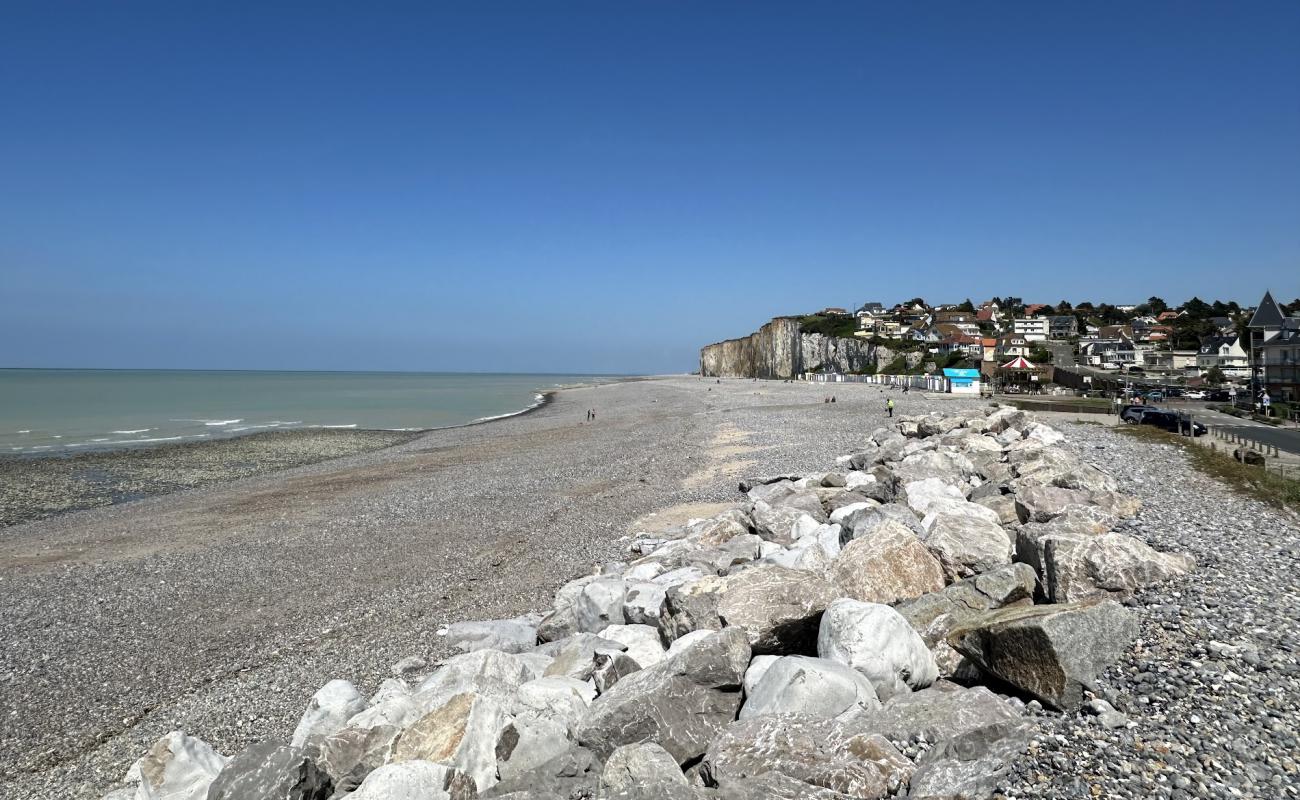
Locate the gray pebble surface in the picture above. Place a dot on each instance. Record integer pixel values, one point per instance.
(220, 610)
(1207, 704)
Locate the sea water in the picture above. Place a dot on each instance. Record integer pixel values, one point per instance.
(64, 411)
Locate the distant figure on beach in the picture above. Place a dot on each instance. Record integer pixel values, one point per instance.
(889, 406)
(832, 398)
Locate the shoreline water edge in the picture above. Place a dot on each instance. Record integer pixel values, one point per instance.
(41, 485)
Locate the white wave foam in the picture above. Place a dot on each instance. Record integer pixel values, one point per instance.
(353, 425)
(24, 431)
(128, 433)
(222, 421)
(538, 399)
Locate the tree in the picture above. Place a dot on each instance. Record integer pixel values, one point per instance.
(1064, 307)
(1156, 306)
(967, 306)
(1196, 307)
(916, 301)
(1214, 376)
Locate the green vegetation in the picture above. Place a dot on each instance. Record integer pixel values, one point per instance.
(1040, 355)
(1256, 482)
(1214, 376)
(840, 325)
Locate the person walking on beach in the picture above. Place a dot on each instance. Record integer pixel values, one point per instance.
(889, 406)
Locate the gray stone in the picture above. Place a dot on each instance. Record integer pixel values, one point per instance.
(462, 733)
(782, 524)
(642, 642)
(888, 566)
(940, 712)
(643, 764)
(351, 754)
(528, 742)
(815, 687)
(327, 712)
(838, 756)
(937, 614)
(966, 543)
(486, 672)
(507, 635)
(600, 603)
(271, 771)
(680, 703)
(611, 668)
(1054, 652)
(874, 640)
(573, 773)
(1076, 569)
(777, 608)
(177, 767)
(972, 764)
(575, 657)
(415, 780)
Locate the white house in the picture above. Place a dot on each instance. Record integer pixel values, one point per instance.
(1034, 329)
(1226, 353)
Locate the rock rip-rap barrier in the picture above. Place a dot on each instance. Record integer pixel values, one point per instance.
(887, 628)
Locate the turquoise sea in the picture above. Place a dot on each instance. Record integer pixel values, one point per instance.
(64, 411)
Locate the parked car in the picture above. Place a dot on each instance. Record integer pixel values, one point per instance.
(1132, 414)
(1173, 391)
(1219, 396)
(1195, 394)
(1168, 421)
(1155, 397)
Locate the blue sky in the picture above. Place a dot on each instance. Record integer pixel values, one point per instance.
(604, 187)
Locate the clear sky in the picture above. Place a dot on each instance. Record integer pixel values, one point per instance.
(606, 186)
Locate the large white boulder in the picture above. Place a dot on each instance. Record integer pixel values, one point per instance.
(177, 767)
(876, 641)
(461, 733)
(328, 712)
(408, 780)
(815, 687)
(642, 641)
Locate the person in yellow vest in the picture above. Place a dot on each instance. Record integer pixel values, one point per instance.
(889, 406)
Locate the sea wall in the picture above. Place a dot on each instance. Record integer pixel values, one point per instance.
(780, 349)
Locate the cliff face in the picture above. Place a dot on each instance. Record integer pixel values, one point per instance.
(781, 350)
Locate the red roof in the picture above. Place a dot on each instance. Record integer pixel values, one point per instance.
(984, 315)
(1020, 362)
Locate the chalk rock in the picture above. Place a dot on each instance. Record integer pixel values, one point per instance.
(271, 771)
(562, 620)
(783, 524)
(890, 565)
(327, 712)
(758, 667)
(642, 642)
(644, 764)
(351, 754)
(558, 698)
(177, 767)
(489, 673)
(680, 703)
(921, 494)
(600, 603)
(575, 657)
(415, 780)
(940, 712)
(874, 640)
(819, 754)
(461, 733)
(815, 687)
(528, 742)
(1051, 652)
(973, 764)
(642, 603)
(507, 635)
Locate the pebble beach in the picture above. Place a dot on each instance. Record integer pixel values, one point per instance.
(220, 610)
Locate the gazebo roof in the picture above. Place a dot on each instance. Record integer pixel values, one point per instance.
(1019, 362)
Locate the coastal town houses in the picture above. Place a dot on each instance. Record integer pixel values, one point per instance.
(1034, 329)
(1063, 326)
(1171, 360)
(964, 321)
(1013, 345)
(971, 347)
(1226, 353)
(1279, 360)
(1108, 353)
(1270, 343)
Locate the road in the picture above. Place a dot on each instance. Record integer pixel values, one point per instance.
(1287, 439)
